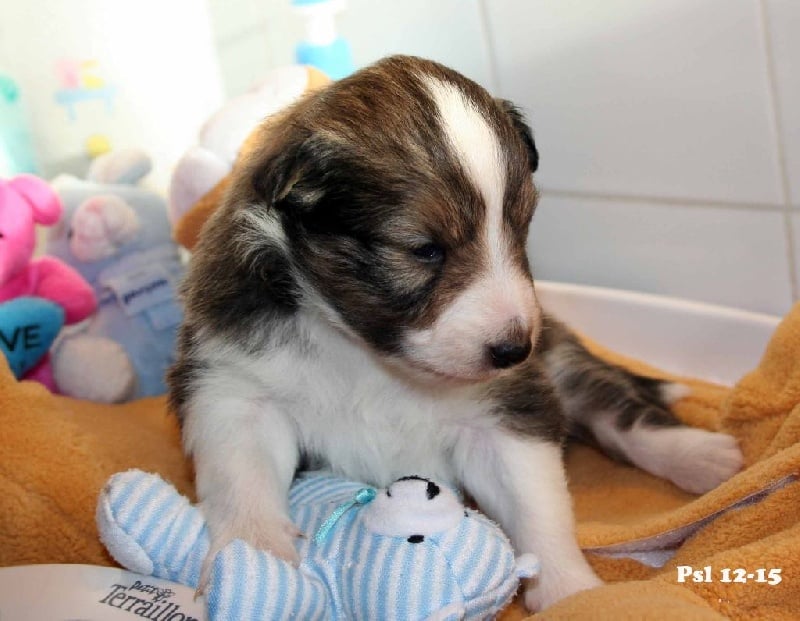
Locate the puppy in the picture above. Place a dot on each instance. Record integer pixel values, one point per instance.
(363, 301)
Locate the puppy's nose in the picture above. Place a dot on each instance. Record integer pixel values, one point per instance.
(507, 354)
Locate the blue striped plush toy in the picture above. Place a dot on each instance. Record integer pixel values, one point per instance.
(409, 552)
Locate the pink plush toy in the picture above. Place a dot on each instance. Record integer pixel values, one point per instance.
(25, 201)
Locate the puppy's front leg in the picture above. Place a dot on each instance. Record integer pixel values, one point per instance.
(245, 453)
(520, 482)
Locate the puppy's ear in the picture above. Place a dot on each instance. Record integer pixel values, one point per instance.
(273, 173)
(288, 178)
(523, 129)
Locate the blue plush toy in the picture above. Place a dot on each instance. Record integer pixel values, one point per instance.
(408, 552)
(118, 236)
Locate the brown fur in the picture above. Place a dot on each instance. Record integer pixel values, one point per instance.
(411, 191)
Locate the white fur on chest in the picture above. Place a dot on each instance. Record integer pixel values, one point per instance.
(358, 416)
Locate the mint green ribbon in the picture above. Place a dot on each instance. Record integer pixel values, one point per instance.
(362, 497)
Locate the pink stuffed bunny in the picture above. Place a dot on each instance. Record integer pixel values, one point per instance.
(25, 201)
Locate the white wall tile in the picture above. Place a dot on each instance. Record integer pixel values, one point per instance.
(796, 233)
(235, 17)
(283, 30)
(245, 60)
(448, 31)
(784, 24)
(733, 257)
(661, 99)
(253, 37)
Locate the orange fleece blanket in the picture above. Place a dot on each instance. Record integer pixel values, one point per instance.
(56, 453)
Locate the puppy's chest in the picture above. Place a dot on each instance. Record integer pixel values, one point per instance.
(355, 417)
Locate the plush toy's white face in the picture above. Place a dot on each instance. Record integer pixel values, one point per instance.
(413, 507)
(417, 528)
(105, 223)
(99, 226)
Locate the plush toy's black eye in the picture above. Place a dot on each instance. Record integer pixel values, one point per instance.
(429, 253)
(432, 490)
(70, 234)
(416, 539)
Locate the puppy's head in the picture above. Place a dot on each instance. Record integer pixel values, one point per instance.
(401, 197)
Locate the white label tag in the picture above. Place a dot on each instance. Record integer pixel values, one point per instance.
(69, 592)
(142, 289)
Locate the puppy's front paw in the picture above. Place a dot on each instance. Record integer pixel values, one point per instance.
(552, 586)
(274, 534)
(278, 540)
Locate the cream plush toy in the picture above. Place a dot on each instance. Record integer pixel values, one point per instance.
(200, 177)
(223, 136)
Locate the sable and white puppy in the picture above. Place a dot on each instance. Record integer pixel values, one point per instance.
(363, 301)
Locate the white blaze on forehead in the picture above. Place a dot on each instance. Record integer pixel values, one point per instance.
(481, 314)
(476, 145)
(478, 148)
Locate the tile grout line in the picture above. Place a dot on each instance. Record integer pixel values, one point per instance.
(664, 200)
(489, 41)
(783, 167)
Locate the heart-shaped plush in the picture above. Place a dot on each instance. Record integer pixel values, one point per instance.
(28, 326)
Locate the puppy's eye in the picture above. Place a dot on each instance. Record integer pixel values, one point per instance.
(429, 253)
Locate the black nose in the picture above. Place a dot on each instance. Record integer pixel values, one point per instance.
(506, 355)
